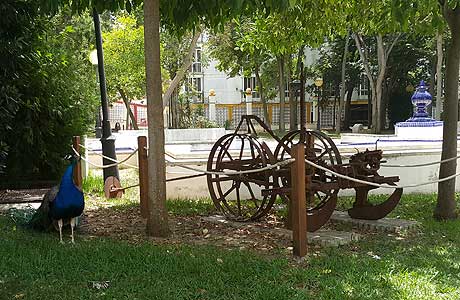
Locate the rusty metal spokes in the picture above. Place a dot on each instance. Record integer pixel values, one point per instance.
(238, 196)
(320, 149)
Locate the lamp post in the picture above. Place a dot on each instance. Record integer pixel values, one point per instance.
(212, 105)
(319, 84)
(248, 93)
(107, 139)
(93, 60)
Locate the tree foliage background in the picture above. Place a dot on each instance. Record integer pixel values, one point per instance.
(47, 88)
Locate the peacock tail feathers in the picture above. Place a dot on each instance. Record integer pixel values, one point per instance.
(41, 220)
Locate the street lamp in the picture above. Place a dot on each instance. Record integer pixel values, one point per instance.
(319, 84)
(93, 60)
(107, 139)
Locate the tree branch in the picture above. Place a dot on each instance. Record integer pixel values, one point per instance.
(360, 45)
(181, 72)
(388, 49)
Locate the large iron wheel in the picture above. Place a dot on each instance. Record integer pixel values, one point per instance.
(320, 202)
(238, 196)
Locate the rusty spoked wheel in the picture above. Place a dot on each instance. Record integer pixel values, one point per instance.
(239, 196)
(321, 202)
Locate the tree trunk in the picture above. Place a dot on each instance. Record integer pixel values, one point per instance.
(384, 106)
(378, 112)
(439, 54)
(338, 121)
(346, 121)
(174, 109)
(292, 103)
(128, 109)
(262, 97)
(376, 84)
(181, 72)
(157, 221)
(372, 83)
(445, 207)
(432, 85)
(281, 88)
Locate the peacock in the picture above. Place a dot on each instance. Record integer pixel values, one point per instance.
(61, 205)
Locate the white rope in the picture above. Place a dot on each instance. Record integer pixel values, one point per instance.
(422, 165)
(387, 186)
(99, 166)
(269, 167)
(411, 166)
(123, 162)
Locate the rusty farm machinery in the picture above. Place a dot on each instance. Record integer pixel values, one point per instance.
(241, 193)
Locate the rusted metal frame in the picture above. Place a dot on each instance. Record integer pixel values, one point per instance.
(261, 123)
(210, 167)
(184, 177)
(224, 148)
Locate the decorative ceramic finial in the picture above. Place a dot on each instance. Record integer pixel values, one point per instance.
(421, 99)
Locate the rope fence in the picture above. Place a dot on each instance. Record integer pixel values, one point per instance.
(123, 162)
(387, 186)
(277, 165)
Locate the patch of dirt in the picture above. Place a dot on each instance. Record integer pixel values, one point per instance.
(127, 224)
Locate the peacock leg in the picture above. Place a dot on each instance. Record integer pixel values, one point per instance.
(72, 225)
(60, 231)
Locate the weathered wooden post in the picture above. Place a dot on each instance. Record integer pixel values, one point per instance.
(298, 201)
(143, 175)
(77, 178)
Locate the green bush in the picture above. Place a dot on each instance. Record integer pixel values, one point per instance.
(47, 89)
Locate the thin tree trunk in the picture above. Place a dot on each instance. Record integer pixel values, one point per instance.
(282, 128)
(372, 83)
(181, 72)
(378, 110)
(384, 107)
(292, 104)
(376, 84)
(446, 205)
(338, 121)
(157, 221)
(128, 109)
(262, 97)
(432, 85)
(347, 117)
(439, 54)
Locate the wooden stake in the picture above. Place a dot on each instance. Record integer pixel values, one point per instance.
(299, 211)
(77, 178)
(143, 175)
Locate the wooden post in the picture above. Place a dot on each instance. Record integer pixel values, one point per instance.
(77, 178)
(298, 205)
(143, 175)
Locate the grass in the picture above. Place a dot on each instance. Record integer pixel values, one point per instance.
(424, 265)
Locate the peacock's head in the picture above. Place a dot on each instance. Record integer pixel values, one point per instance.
(73, 158)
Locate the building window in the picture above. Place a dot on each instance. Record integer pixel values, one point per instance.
(195, 67)
(194, 85)
(363, 85)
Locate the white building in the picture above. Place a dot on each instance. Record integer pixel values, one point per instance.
(230, 91)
